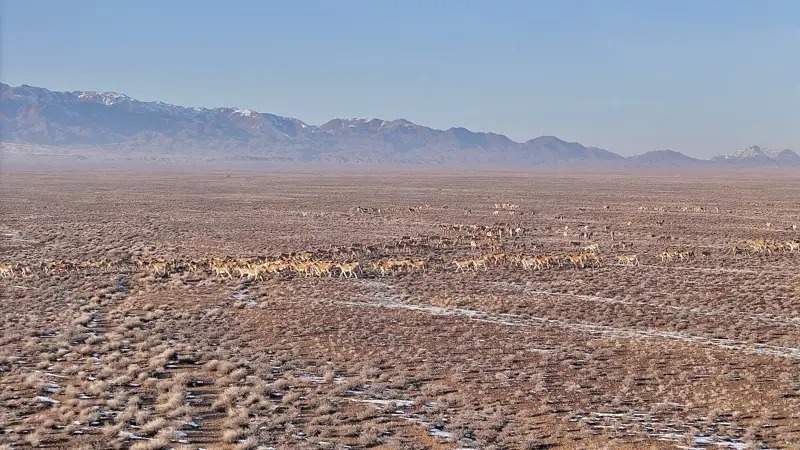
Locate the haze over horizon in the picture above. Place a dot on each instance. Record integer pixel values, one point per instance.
(702, 79)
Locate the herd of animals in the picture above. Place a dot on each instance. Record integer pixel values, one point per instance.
(359, 259)
(362, 260)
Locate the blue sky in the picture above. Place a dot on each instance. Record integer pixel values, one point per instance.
(703, 77)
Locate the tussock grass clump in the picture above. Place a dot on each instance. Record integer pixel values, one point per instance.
(153, 425)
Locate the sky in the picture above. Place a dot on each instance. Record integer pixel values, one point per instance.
(703, 77)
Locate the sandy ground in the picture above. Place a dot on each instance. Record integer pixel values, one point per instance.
(102, 349)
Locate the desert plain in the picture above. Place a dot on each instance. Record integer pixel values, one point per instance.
(244, 310)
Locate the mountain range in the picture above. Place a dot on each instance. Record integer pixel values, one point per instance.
(109, 125)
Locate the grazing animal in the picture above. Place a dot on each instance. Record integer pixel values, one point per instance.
(462, 265)
(628, 260)
(478, 263)
(348, 270)
(6, 270)
(250, 272)
(577, 261)
(158, 268)
(418, 265)
(220, 269)
(792, 246)
(593, 248)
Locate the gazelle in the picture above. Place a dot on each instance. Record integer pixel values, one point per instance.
(6, 270)
(628, 260)
(463, 264)
(158, 268)
(221, 268)
(348, 270)
(479, 262)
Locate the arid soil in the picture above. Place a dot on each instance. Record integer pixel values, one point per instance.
(122, 329)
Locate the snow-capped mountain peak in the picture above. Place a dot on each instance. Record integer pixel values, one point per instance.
(106, 98)
(759, 156)
(245, 112)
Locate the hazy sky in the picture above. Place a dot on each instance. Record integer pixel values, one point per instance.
(703, 77)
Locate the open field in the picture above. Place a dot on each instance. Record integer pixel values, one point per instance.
(327, 311)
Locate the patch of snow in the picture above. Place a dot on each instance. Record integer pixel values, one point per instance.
(724, 442)
(320, 380)
(132, 437)
(47, 400)
(245, 112)
(390, 402)
(106, 98)
(436, 432)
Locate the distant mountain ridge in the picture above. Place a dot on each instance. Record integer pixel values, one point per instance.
(114, 125)
(756, 156)
(665, 159)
